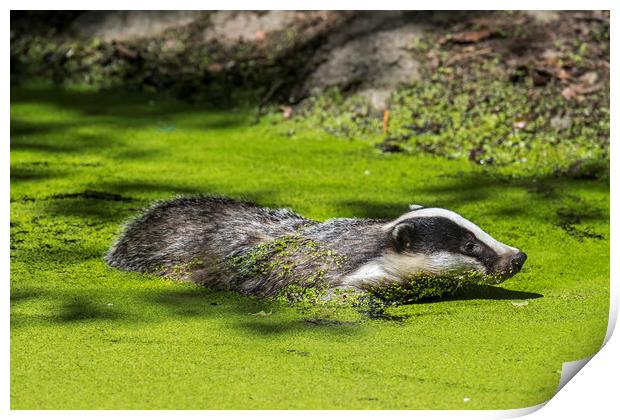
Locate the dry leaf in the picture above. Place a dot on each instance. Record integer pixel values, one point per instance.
(215, 68)
(469, 37)
(590, 89)
(468, 54)
(589, 78)
(570, 92)
(574, 91)
(551, 62)
(433, 60)
(561, 74)
(287, 112)
(260, 36)
(262, 313)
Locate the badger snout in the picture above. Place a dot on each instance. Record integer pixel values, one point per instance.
(517, 260)
(510, 264)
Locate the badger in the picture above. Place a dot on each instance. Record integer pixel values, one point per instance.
(237, 245)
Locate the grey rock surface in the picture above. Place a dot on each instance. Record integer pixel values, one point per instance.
(130, 24)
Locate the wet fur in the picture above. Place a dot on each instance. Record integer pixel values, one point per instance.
(237, 245)
(197, 238)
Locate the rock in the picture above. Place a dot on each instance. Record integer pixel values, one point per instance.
(130, 24)
(372, 60)
(230, 27)
(543, 16)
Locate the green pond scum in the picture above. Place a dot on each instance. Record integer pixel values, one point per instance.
(424, 286)
(85, 336)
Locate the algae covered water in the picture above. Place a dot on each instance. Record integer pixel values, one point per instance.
(87, 336)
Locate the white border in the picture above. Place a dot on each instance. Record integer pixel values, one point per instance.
(593, 393)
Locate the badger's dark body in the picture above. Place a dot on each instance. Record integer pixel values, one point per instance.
(240, 246)
(213, 241)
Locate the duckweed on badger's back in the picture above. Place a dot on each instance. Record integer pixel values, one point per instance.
(87, 336)
(277, 260)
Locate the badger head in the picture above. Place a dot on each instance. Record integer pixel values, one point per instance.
(439, 241)
(434, 241)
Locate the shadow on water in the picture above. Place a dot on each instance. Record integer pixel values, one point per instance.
(111, 201)
(89, 210)
(116, 200)
(477, 292)
(378, 311)
(106, 112)
(117, 107)
(268, 327)
(80, 308)
(138, 186)
(27, 174)
(369, 210)
(203, 302)
(60, 137)
(245, 314)
(250, 314)
(18, 296)
(259, 317)
(477, 186)
(61, 255)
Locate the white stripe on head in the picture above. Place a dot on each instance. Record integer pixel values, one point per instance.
(482, 236)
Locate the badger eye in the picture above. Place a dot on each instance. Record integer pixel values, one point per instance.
(470, 247)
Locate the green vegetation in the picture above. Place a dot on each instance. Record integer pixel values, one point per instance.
(87, 336)
(420, 287)
(275, 255)
(279, 259)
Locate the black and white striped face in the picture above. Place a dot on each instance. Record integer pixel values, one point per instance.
(439, 241)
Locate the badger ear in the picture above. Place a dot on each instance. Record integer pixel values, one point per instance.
(415, 207)
(403, 235)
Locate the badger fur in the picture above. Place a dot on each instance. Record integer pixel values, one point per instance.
(237, 245)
